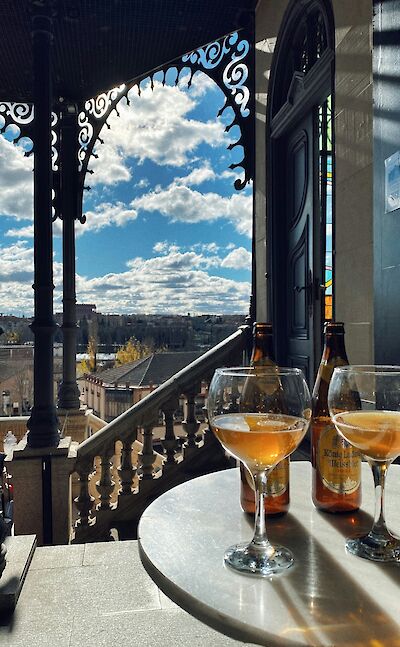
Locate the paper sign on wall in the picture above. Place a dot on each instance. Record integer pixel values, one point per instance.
(392, 182)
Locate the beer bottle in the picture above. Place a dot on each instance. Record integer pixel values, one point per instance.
(336, 465)
(277, 499)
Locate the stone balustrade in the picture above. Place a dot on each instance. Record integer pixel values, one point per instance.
(119, 476)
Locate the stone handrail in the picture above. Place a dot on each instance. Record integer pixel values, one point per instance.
(141, 412)
(16, 424)
(142, 474)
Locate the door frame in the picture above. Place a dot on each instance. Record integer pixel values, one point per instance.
(305, 93)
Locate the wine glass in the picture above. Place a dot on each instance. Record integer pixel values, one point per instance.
(364, 403)
(259, 415)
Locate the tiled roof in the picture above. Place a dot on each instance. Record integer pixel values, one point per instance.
(154, 369)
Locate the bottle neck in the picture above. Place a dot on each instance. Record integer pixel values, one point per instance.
(263, 351)
(334, 347)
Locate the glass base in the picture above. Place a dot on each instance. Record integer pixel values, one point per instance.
(255, 560)
(384, 549)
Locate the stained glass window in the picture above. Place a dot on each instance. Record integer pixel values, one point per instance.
(326, 176)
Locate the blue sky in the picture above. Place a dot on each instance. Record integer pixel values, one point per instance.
(166, 231)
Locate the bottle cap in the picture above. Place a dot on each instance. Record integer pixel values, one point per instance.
(336, 327)
(263, 328)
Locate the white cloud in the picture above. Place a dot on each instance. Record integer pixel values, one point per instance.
(156, 126)
(197, 176)
(211, 248)
(105, 215)
(143, 183)
(16, 278)
(21, 232)
(180, 203)
(238, 259)
(164, 247)
(16, 195)
(173, 283)
(201, 83)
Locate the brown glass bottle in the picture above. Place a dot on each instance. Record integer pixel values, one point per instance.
(277, 499)
(336, 466)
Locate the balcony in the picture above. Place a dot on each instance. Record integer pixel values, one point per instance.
(100, 486)
(99, 593)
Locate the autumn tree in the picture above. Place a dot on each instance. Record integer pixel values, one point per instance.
(89, 365)
(132, 351)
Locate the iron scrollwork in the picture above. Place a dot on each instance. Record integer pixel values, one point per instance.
(226, 61)
(97, 110)
(22, 115)
(235, 72)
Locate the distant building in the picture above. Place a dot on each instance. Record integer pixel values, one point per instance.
(83, 311)
(87, 310)
(114, 390)
(16, 379)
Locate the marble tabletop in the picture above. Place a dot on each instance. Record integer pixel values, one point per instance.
(328, 598)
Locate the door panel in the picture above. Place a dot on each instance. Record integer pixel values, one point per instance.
(299, 244)
(297, 291)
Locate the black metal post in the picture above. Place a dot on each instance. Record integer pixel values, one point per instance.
(252, 146)
(68, 393)
(42, 424)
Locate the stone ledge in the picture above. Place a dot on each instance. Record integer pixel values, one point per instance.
(22, 450)
(19, 555)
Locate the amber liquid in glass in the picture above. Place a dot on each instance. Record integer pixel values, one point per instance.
(278, 494)
(260, 440)
(375, 433)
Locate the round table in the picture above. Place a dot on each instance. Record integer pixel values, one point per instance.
(327, 598)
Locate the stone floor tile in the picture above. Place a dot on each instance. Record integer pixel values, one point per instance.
(58, 556)
(163, 628)
(103, 552)
(26, 630)
(89, 590)
(166, 602)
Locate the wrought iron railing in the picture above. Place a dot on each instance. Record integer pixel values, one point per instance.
(143, 473)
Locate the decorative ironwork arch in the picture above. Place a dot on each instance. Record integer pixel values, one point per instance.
(307, 26)
(227, 62)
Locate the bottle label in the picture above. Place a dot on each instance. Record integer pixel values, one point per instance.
(277, 481)
(339, 464)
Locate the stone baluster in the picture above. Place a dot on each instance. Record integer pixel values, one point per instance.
(191, 424)
(84, 501)
(170, 443)
(147, 455)
(105, 486)
(126, 470)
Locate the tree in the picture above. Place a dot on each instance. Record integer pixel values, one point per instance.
(133, 350)
(89, 365)
(22, 388)
(13, 337)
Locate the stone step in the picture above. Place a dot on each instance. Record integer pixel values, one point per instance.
(99, 595)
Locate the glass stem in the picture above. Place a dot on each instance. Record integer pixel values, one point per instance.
(260, 539)
(379, 470)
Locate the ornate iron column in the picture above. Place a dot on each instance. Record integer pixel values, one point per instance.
(69, 210)
(42, 424)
